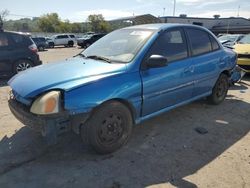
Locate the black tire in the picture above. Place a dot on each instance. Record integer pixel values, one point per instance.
(40, 48)
(86, 45)
(51, 45)
(71, 43)
(108, 128)
(220, 90)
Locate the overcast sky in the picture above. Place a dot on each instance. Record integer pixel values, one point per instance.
(78, 10)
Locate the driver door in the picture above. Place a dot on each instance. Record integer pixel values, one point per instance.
(172, 84)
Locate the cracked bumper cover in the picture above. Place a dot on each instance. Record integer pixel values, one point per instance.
(48, 125)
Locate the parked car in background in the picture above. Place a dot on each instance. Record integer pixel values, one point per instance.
(49, 42)
(63, 39)
(17, 53)
(242, 48)
(89, 39)
(126, 77)
(228, 40)
(40, 43)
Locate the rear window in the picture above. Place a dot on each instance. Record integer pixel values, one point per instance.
(17, 38)
(35, 39)
(21, 40)
(200, 42)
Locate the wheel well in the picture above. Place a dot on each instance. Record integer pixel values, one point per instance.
(226, 72)
(14, 64)
(125, 103)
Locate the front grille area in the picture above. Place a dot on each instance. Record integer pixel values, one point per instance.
(247, 56)
(246, 67)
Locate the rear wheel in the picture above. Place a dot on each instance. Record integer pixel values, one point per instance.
(220, 90)
(41, 48)
(22, 65)
(51, 45)
(70, 43)
(109, 127)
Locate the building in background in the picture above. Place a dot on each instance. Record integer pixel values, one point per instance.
(234, 25)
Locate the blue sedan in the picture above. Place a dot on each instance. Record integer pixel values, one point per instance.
(126, 77)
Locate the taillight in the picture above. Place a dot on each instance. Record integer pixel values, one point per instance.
(33, 48)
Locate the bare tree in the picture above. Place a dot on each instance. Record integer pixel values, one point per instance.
(3, 15)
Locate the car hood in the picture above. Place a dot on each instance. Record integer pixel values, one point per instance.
(242, 48)
(64, 75)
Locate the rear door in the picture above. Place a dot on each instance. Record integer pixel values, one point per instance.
(206, 57)
(61, 40)
(167, 86)
(6, 53)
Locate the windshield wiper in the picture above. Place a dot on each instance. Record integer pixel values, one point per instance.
(81, 55)
(99, 58)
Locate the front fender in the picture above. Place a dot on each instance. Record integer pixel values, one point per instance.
(125, 86)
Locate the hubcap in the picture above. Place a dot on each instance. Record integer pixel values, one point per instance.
(111, 129)
(22, 66)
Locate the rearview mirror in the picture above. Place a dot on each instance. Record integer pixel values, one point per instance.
(155, 61)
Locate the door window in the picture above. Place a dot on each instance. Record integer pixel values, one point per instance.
(200, 42)
(171, 44)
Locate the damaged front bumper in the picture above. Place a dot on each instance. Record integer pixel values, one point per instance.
(50, 126)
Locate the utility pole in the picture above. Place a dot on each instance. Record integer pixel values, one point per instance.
(174, 8)
(238, 15)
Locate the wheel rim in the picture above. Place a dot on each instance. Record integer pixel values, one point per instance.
(22, 66)
(111, 129)
(221, 89)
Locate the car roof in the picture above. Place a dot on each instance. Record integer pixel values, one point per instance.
(18, 33)
(163, 26)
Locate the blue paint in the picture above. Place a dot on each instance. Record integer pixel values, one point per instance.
(87, 83)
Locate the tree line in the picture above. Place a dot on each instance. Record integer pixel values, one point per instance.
(52, 23)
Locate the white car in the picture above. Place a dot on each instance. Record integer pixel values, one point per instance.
(64, 39)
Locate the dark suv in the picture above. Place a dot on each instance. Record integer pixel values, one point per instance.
(40, 43)
(87, 40)
(17, 53)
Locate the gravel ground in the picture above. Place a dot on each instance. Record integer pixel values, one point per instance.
(165, 151)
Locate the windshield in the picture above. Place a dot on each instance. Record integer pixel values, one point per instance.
(245, 40)
(230, 38)
(119, 46)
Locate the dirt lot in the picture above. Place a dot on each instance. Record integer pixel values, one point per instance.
(165, 151)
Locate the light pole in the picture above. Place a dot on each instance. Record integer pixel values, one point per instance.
(238, 14)
(174, 8)
(164, 11)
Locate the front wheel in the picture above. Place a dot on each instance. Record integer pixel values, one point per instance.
(108, 128)
(220, 90)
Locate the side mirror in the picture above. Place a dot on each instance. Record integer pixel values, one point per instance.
(155, 61)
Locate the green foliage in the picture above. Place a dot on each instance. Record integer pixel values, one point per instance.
(98, 24)
(51, 23)
(24, 25)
